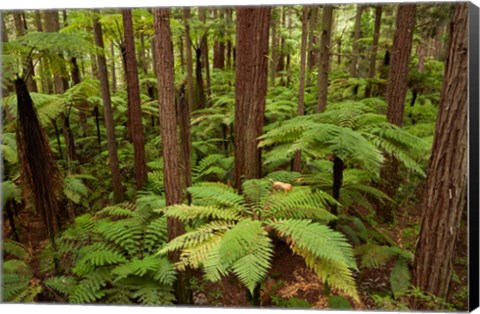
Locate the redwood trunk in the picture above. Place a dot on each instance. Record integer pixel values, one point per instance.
(373, 53)
(399, 60)
(446, 187)
(250, 89)
(189, 59)
(168, 131)
(107, 109)
(297, 159)
(135, 107)
(324, 60)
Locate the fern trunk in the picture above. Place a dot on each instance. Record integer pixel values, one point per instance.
(445, 198)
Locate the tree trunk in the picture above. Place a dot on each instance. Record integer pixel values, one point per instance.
(204, 50)
(446, 187)
(52, 25)
(7, 87)
(185, 139)
(297, 159)
(324, 60)
(189, 59)
(135, 107)
(274, 47)
(356, 37)
(250, 89)
(219, 44)
(202, 100)
(228, 60)
(21, 29)
(38, 171)
(373, 52)
(76, 80)
(114, 74)
(311, 38)
(107, 109)
(168, 131)
(400, 58)
(281, 57)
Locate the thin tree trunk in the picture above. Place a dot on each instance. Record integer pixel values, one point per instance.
(188, 54)
(446, 187)
(373, 52)
(324, 59)
(204, 50)
(281, 54)
(228, 61)
(311, 38)
(356, 37)
(133, 89)
(171, 173)
(7, 87)
(202, 101)
(219, 44)
(274, 47)
(114, 75)
(250, 89)
(21, 29)
(76, 80)
(297, 159)
(185, 139)
(107, 108)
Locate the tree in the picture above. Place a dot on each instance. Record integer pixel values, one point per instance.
(373, 52)
(297, 159)
(324, 60)
(21, 29)
(446, 186)
(399, 60)
(356, 37)
(134, 100)
(188, 55)
(251, 70)
(168, 131)
(396, 92)
(107, 109)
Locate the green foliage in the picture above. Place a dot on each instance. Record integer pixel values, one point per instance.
(338, 302)
(111, 258)
(18, 281)
(232, 234)
(295, 303)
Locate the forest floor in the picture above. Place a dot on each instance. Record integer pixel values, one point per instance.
(288, 278)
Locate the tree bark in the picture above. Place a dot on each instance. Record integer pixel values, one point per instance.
(76, 80)
(21, 29)
(400, 58)
(114, 74)
(373, 52)
(250, 89)
(311, 41)
(107, 109)
(324, 59)
(446, 187)
(168, 131)
(189, 59)
(204, 50)
(185, 139)
(297, 159)
(356, 37)
(133, 90)
(219, 44)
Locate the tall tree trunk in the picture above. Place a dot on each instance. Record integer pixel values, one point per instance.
(297, 159)
(202, 100)
(281, 54)
(7, 87)
(250, 89)
(52, 25)
(219, 44)
(274, 47)
(107, 109)
(446, 187)
(228, 60)
(204, 51)
(135, 107)
(373, 52)
(76, 80)
(324, 59)
(114, 74)
(21, 29)
(400, 58)
(168, 131)
(356, 37)
(189, 60)
(311, 38)
(185, 139)
(396, 92)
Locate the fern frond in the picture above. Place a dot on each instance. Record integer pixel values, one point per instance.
(188, 213)
(215, 194)
(15, 249)
(400, 278)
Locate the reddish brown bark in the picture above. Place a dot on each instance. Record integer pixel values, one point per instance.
(297, 159)
(399, 60)
(108, 114)
(324, 59)
(134, 102)
(446, 187)
(250, 89)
